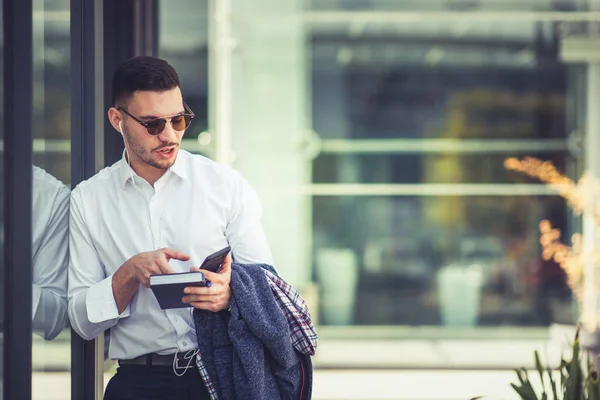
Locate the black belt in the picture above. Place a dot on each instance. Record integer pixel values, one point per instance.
(154, 359)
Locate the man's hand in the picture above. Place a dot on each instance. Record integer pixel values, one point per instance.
(215, 298)
(138, 269)
(143, 265)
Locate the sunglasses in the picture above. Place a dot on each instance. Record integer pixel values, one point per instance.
(155, 126)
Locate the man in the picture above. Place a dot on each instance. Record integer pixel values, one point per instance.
(157, 210)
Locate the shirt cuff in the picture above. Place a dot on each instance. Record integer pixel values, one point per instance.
(100, 302)
(37, 294)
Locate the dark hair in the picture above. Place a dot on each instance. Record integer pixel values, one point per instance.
(142, 73)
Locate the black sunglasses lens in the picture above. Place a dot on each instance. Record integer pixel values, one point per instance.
(156, 126)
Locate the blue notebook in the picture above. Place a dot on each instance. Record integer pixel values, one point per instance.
(168, 288)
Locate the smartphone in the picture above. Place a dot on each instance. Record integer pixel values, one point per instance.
(214, 262)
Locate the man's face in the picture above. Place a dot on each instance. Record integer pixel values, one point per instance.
(159, 151)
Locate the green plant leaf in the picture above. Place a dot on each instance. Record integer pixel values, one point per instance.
(593, 385)
(478, 398)
(552, 384)
(527, 384)
(524, 393)
(574, 381)
(520, 377)
(538, 366)
(564, 375)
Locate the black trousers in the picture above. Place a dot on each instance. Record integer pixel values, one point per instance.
(133, 382)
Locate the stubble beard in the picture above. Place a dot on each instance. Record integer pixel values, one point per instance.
(146, 157)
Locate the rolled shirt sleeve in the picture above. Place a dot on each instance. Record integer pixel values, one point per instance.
(92, 306)
(50, 262)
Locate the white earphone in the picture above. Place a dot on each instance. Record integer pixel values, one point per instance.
(128, 159)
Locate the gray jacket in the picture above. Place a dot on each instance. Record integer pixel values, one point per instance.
(252, 351)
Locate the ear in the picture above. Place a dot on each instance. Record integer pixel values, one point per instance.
(114, 117)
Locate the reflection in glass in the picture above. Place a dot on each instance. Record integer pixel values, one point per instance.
(446, 5)
(1, 196)
(51, 181)
(423, 168)
(423, 103)
(183, 42)
(411, 255)
(423, 82)
(50, 236)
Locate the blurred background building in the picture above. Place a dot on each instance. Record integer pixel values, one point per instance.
(375, 133)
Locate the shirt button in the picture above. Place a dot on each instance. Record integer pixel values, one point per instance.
(185, 343)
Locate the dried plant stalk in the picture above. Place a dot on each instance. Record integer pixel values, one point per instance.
(570, 258)
(584, 198)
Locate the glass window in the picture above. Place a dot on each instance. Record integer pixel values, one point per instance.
(396, 126)
(448, 5)
(2, 197)
(411, 199)
(51, 182)
(415, 97)
(408, 258)
(437, 80)
(440, 168)
(183, 42)
(375, 133)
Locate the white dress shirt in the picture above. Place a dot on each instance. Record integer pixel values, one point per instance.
(197, 207)
(50, 251)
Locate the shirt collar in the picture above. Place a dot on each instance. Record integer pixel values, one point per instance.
(127, 173)
(179, 166)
